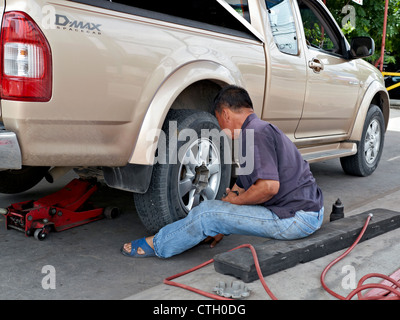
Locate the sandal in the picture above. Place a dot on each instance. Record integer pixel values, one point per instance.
(140, 243)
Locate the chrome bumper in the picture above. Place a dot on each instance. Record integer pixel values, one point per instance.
(10, 153)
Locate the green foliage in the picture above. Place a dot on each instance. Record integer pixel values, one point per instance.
(314, 36)
(348, 28)
(369, 22)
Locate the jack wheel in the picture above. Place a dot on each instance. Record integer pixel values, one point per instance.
(40, 234)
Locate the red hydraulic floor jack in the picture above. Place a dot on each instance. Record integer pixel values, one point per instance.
(64, 209)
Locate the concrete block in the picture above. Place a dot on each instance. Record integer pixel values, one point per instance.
(278, 255)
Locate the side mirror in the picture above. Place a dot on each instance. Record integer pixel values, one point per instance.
(362, 47)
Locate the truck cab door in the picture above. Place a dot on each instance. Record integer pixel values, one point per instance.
(332, 84)
(286, 67)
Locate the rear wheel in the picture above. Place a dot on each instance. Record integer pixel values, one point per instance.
(366, 160)
(195, 166)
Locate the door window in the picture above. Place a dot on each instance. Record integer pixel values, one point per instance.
(241, 7)
(283, 25)
(318, 33)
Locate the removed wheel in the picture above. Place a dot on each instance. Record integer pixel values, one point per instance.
(193, 165)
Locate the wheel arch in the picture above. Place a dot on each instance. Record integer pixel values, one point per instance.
(192, 86)
(376, 94)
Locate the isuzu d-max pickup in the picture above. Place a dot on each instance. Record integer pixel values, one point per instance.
(123, 90)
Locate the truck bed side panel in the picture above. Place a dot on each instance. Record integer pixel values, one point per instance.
(107, 67)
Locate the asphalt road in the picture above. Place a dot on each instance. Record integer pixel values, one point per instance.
(85, 262)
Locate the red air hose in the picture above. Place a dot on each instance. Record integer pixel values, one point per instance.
(214, 296)
(395, 293)
(360, 287)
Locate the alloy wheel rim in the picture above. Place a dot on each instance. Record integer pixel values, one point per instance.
(199, 174)
(372, 142)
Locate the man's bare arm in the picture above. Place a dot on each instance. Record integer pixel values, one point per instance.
(260, 192)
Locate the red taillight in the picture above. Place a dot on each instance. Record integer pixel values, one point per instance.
(25, 60)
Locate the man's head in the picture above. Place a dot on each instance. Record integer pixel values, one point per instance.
(232, 105)
(232, 97)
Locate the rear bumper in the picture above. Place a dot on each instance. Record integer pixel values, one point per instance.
(10, 152)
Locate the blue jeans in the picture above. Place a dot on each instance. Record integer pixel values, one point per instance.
(215, 216)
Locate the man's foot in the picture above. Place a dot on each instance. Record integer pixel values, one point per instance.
(139, 248)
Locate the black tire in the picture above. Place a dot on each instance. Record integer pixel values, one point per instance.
(366, 160)
(166, 200)
(16, 181)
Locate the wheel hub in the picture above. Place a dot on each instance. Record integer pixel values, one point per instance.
(201, 179)
(199, 174)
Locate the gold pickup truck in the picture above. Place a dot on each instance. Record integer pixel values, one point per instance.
(118, 88)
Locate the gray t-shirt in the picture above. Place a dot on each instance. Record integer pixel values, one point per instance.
(277, 158)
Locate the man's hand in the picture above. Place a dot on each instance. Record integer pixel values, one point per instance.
(214, 240)
(230, 196)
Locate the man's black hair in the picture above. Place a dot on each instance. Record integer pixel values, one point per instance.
(233, 97)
